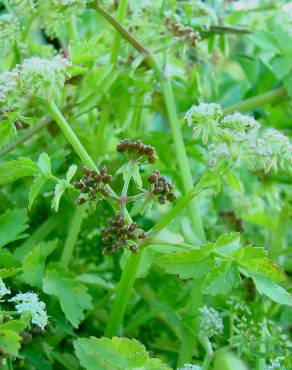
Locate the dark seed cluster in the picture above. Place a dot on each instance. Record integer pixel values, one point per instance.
(93, 183)
(138, 149)
(119, 235)
(185, 33)
(160, 186)
(230, 218)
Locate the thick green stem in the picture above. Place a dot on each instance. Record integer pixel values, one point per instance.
(128, 277)
(121, 14)
(70, 135)
(270, 97)
(72, 235)
(9, 364)
(177, 136)
(208, 352)
(124, 290)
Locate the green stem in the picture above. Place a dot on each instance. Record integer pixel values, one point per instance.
(208, 353)
(70, 135)
(121, 14)
(279, 232)
(9, 363)
(73, 30)
(128, 277)
(124, 290)
(270, 97)
(72, 235)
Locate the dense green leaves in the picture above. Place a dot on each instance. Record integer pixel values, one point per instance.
(115, 354)
(72, 294)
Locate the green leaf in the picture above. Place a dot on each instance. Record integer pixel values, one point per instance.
(14, 325)
(233, 182)
(13, 170)
(38, 182)
(187, 264)
(265, 41)
(60, 188)
(12, 225)
(10, 342)
(269, 288)
(71, 172)
(5, 273)
(227, 243)
(115, 354)
(7, 131)
(254, 260)
(34, 263)
(72, 294)
(282, 66)
(94, 279)
(44, 164)
(221, 279)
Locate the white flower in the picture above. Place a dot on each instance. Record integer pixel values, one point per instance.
(8, 84)
(204, 119)
(211, 323)
(218, 153)
(29, 302)
(3, 289)
(240, 122)
(10, 32)
(190, 367)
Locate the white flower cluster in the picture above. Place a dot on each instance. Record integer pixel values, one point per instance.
(22, 7)
(204, 120)
(190, 367)
(3, 289)
(236, 139)
(211, 322)
(35, 77)
(10, 31)
(29, 302)
(275, 364)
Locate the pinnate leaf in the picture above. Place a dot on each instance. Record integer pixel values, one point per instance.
(221, 279)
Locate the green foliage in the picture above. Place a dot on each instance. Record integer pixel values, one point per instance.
(115, 353)
(150, 142)
(72, 295)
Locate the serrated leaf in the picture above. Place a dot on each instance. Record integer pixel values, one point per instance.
(72, 294)
(282, 66)
(187, 264)
(71, 172)
(115, 354)
(60, 188)
(10, 342)
(221, 279)
(44, 164)
(12, 225)
(254, 260)
(34, 263)
(13, 170)
(38, 182)
(269, 288)
(227, 243)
